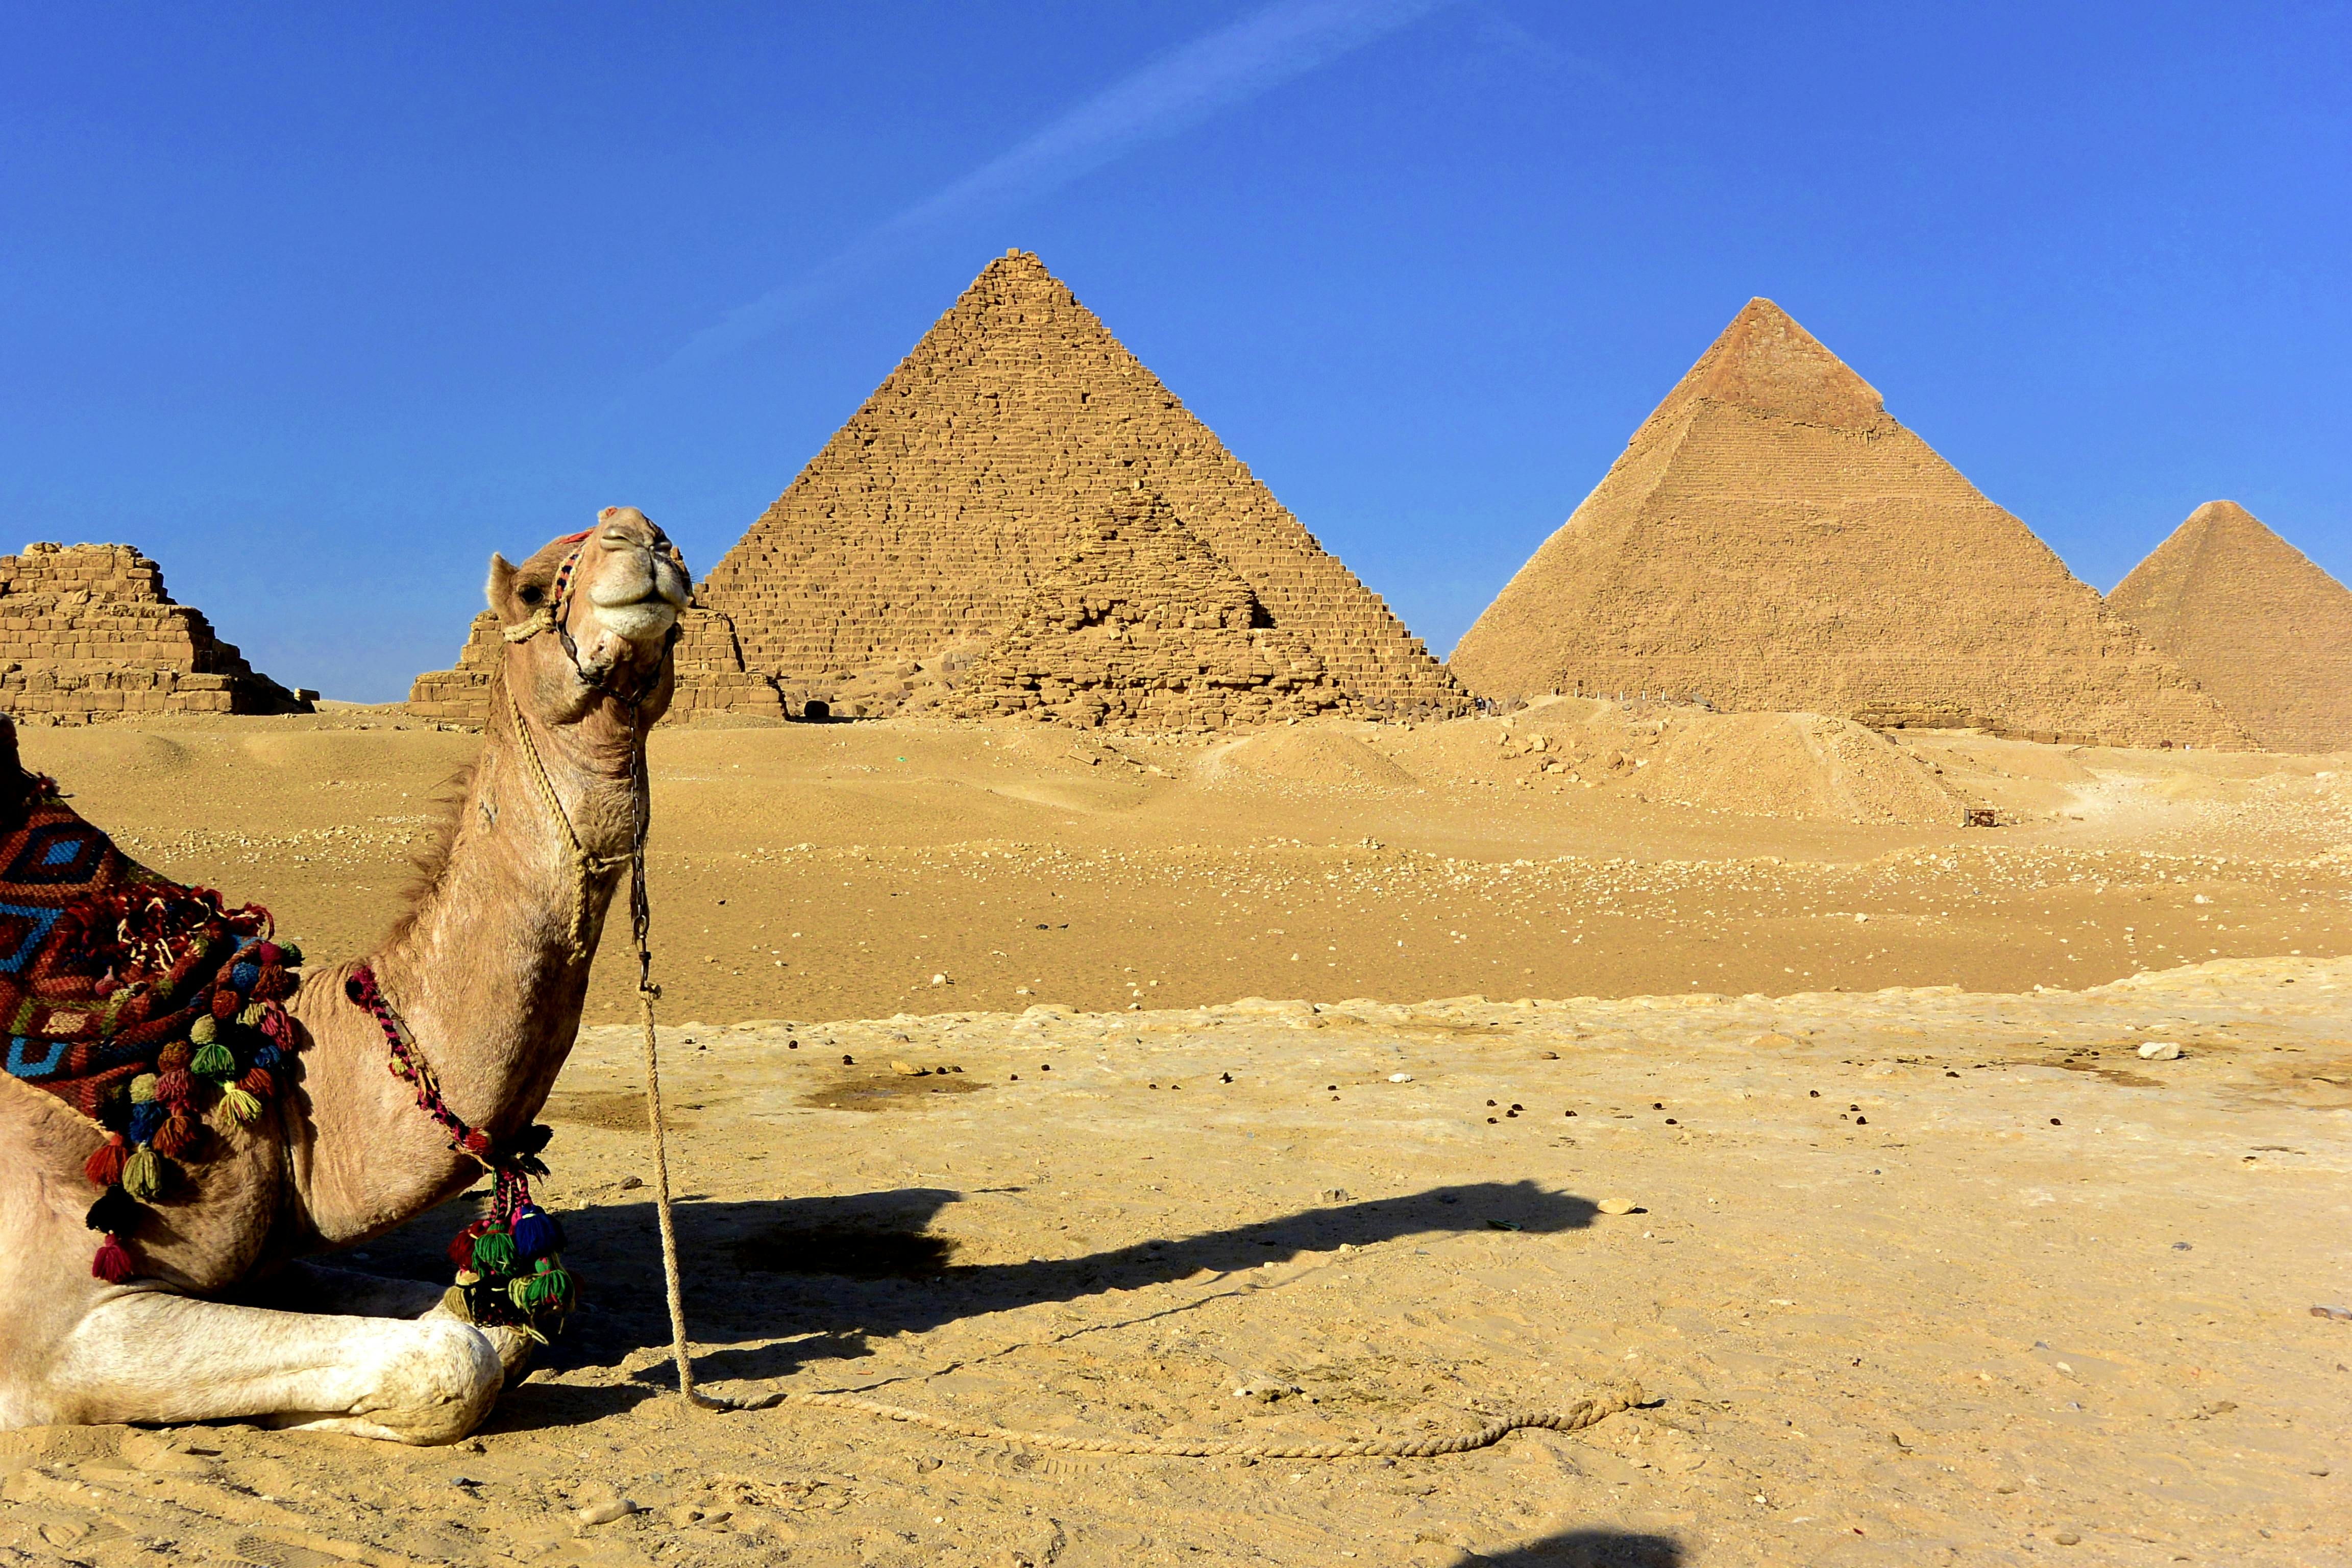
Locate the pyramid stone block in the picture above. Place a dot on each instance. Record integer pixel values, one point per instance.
(1141, 627)
(710, 674)
(1772, 540)
(2259, 624)
(971, 474)
(89, 634)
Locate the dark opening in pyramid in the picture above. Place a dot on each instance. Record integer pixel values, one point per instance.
(1140, 626)
(973, 471)
(2257, 623)
(1773, 540)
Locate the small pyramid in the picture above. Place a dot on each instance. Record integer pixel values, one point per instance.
(920, 530)
(710, 674)
(88, 633)
(1772, 540)
(2255, 621)
(1141, 627)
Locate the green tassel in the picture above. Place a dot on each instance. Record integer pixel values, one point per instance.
(214, 1060)
(252, 1015)
(536, 1293)
(204, 1030)
(239, 1104)
(142, 1174)
(494, 1253)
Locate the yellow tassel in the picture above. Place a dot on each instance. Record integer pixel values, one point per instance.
(142, 1088)
(142, 1174)
(239, 1104)
(454, 1301)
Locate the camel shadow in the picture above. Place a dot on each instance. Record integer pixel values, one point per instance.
(834, 1273)
(1585, 1549)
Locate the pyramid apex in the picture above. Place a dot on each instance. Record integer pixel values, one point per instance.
(1765, 362)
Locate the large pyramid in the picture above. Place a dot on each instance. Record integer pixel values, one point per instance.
(1772, 539)
(2261, 627)
(1142, 628)
(87, 634)
(975, 470)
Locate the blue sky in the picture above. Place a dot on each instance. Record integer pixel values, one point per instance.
(318, 305)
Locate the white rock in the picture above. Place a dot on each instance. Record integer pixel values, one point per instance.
(2161, 1051)
(607, 1513)
(1399, 1078)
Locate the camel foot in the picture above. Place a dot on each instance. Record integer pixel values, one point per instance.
(436, 1389)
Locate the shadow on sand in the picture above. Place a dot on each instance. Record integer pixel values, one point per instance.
(834, 1272)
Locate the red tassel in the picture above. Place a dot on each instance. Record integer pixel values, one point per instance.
(226, 1003)
(104, 1166)
(179, 1134)
(175, 1085)
(461, 1247)
(112, 1264)
(258, 1083)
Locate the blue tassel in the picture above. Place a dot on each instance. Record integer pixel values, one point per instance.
(244, 974)
(536, 1232)
(266, 1057)
(146, 1116)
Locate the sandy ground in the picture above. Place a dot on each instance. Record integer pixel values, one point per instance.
(1940, 1272)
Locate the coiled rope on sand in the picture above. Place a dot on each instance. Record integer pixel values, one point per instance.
(1589, 1411)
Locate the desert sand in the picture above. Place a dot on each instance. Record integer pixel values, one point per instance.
(980, 1108)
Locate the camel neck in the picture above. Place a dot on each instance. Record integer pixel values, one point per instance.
(491, 970)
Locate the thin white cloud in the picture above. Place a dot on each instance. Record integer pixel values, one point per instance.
(1216, 71)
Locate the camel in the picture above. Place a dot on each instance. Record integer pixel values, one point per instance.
(488, 968)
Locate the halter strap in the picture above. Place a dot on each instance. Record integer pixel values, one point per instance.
(548, 616)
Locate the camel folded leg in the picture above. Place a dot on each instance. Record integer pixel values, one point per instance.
(148, 1356)
(305, 1286)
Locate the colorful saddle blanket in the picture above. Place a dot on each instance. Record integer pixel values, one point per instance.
(146, 1005)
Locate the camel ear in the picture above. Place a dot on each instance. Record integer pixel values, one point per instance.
(500, 589)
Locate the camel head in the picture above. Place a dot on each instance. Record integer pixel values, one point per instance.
(589, 623)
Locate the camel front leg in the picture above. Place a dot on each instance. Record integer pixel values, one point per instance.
(152, 1357)
(305, 1286)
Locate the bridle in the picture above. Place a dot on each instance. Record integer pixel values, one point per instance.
(550, 617)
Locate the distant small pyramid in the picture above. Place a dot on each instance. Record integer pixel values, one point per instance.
(88, 633)
(1142, 628)
(1773, 540)
(969, 474)
(2255, 621)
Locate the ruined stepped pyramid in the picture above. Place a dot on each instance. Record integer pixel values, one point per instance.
(2261, 627)
(87, 634)
(710, 674)
(1772, 540)
(1140, 626)
(917, 534)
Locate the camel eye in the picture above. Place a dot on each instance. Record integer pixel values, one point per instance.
(530, 593)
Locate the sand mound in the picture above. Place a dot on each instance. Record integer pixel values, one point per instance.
(1317, 755)
(88, 633)
(1142, 628)
(1773, 540)
(973, 471)
(1802, 766)
(2261, 627)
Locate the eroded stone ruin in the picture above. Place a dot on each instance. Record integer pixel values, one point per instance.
(1772, 540)
(710, 674)
(89, 634)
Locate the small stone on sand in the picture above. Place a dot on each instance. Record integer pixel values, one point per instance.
(1618, 1206)
(2161, 1051)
